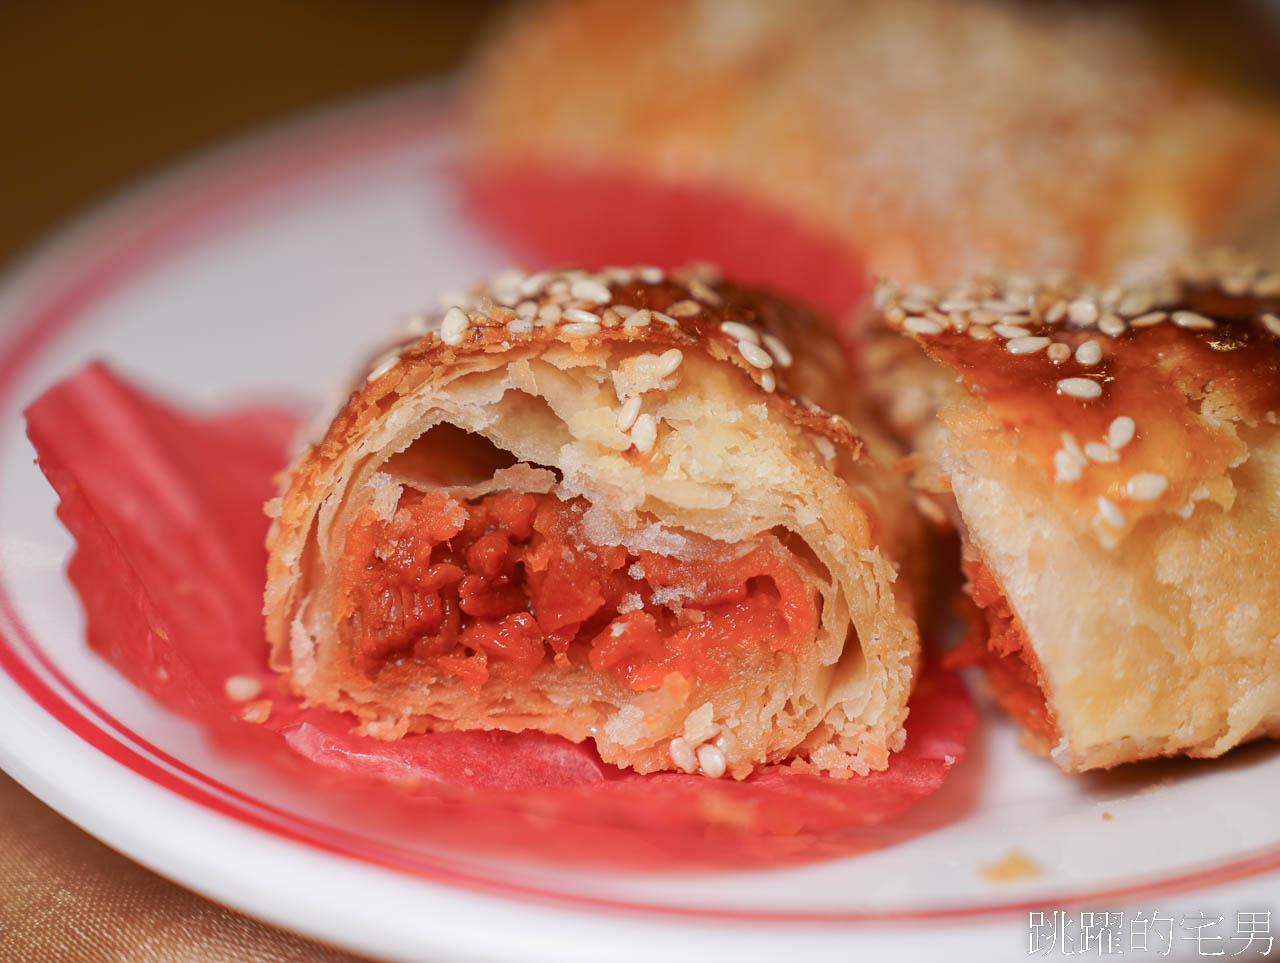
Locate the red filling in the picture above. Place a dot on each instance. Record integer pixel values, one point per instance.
(998, 643)
(507, 582)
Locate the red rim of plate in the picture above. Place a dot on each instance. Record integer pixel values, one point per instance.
(191, 207)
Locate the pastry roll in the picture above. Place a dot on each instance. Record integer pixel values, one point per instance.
(598, 506)
(1111, 457)
(933, 138)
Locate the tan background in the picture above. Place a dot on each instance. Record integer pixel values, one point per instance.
(97, 93)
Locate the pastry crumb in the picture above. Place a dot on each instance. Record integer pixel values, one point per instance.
(1106, 816)
(257, 712)
(1013, 866)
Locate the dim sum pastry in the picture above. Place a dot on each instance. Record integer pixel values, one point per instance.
(596, 505)
(933, 138)
(1111, 456)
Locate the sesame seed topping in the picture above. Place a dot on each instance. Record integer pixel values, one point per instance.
(1057, 311)
(665, 318)
(1267, 286)
(628, 413)
(644, 433)
(1082, 311)
(684, 309)
(638, 319)
(703, 293)
(384, 364)
(1192, 321)
(1011, 331)
(580, 329)
(1067, 467)
(1109, 512)
(739, 331)
(755, 355)
(580, 315)
(1070, 444)
(1134, 304)
(1089, 353)
(1112, 326)
(651, 275)
(1121, 432)
(1083, 388)
(1272, 323)
(528, 310)
(682, 756)
(454, 326)
(979, 333)
(1149, 319)
(1097, 451)
(767, 381)
(241, 688)
(1026, 345)
(549, 313)
(589, 289)
(957, 304)
(519, 326)
(781, 353)
(670, 362)
(711, 760)
(922, 326)
(1146, 486)
(624, 310)
(610, 318)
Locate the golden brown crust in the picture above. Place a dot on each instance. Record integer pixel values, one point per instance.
(1110, 453)
(938, 138)
(552, 368)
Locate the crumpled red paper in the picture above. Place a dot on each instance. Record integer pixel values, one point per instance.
(166, 510)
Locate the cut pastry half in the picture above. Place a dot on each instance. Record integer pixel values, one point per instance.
(1111, 456)
(620, 506)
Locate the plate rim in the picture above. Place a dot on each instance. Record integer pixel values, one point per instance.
(158, 204)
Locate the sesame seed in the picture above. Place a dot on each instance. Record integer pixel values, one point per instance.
(1083, 388)
(1058, 352)
(712, 761)
(589, 289)
(922, 326)
(982, 316)
(1146, 486)
(1192, 321)
(644, 433)
(580, 315)
(755, 355)
(639, 319)
(628, 413)
(1109, 512)
(1111, 326)
(528, 310)
(624, 310)
(915, 305)
(739, 331)
(549, 313)
(1134, 304)
(682, 756)
(1081, 311)
(665, 318)
(1099, 452)
(1089, 353)
(767, 381)
(650, 275)
(520, 326)
(957, 304)
(1067, 467)
(383, 365)
(1121, 432)
(1272, 323)
(980, 333)
(580, 329)
(703, 293)
(534, 283)
(454, 326)
(1026, 345)
(1148, 319)
(670, 362)
(610, 318)
(1011, 331)
(1056, 312)
(1070, 444)
(781, 353)
(241, 688)
(684, 309)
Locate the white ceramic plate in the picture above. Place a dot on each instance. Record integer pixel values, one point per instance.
(197, 284)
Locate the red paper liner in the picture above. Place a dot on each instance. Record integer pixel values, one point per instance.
(595, 218)
(166, 509)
